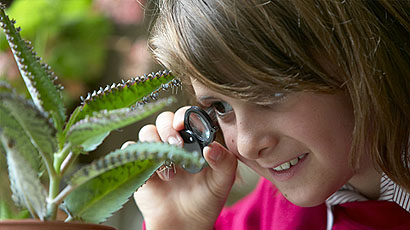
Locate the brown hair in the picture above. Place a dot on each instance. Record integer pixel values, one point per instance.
(251, 49)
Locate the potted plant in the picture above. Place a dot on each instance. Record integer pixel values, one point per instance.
(40, 143)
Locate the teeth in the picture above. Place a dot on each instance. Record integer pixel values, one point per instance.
(285, 165)
(294, 161)
(288, 164)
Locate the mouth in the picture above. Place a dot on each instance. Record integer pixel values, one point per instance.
(289, 164)
(287, 170)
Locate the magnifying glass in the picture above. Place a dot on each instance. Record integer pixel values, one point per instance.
(199, 132)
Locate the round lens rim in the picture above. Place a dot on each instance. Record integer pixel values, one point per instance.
(208, 122)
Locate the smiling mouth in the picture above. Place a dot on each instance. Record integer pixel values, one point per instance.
(289, 164)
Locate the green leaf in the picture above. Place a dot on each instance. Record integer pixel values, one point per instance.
(126, 94)
(34, 123)
(91, 131)
(27, 189)
(6, 212)
(38, 77)
(7, 208)
(106, 184)
(23, 123)
(96, 200)
(93, 142)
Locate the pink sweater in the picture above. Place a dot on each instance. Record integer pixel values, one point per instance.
(266, 209)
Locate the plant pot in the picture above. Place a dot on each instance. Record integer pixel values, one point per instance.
(49, 225)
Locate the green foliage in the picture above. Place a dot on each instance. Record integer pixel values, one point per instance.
(89, 131)
(8, 209)
(95, 205)
(27, 189)
(66, 34)
(29, 129)
(35, 135)
(6, 213)
(37, 76)
(127, 93)
(117, 175)
(23, 117)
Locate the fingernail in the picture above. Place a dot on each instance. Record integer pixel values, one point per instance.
(126, 144)
(174, 141)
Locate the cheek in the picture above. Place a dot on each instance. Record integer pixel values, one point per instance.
(230, 140)
(327, 124)
(230, 143)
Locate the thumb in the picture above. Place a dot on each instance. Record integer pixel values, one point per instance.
(223, 166)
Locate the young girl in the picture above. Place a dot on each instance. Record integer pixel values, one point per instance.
(311, 95)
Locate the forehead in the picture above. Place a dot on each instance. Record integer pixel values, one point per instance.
(203, 92)
(200, 89)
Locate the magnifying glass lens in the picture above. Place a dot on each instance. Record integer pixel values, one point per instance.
(199, 132)
(199, 126)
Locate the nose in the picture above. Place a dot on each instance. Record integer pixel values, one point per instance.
(255, 135)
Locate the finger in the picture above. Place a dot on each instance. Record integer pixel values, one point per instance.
(179, 116)
(223, 164)
(165, 130)
(149, 133)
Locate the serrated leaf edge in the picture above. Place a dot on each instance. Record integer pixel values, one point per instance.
(25, 176)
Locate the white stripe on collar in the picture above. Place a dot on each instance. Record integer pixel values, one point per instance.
(389, 191)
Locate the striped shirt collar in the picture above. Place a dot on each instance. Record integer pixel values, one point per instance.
(389, 191)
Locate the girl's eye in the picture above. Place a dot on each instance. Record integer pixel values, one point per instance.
(221, 108)
(279, 96)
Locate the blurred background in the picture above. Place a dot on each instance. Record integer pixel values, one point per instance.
(90, 44)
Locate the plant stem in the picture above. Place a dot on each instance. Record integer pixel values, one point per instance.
(68, 162)
(53, 192)
(60, 157)
(63, 194)
(71, 121)
(48, 163)
(55, 180)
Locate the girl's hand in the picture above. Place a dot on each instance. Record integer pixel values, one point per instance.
(183, 200)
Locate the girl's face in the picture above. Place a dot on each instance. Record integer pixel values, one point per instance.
(300, 142)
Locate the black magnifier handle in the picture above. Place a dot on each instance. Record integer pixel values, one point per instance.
(191, 144)
(199, 132)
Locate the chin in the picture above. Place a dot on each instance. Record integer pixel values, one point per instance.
(305, 200)
(308, 203)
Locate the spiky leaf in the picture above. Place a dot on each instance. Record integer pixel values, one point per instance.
(96, 200)
(90, 132)
(139, 151)
(29, 128)
(106, 184)
(93, 142)
(34, 123)
(38, 77)
(25, 185)
(126, 94)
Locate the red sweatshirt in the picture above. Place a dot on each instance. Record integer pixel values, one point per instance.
(266, 209)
